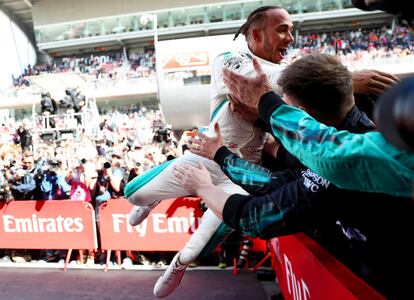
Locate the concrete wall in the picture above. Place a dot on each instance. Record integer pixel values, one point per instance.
(47, 12)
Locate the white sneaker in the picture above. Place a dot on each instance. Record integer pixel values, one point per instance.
(139, 213)
(6, 259)
(171, 279)
(126, 263)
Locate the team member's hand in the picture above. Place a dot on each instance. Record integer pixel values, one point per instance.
(207, 146)
(245, 112)
(247, 90)
(192, 178)
(372, 81)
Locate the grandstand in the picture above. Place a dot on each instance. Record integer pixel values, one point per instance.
(112, 48)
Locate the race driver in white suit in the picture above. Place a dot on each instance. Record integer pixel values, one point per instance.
(268, 35)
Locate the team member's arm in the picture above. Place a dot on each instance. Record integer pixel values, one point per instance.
(286, 210)
(252, 178)
(372, 81)
(365, 162)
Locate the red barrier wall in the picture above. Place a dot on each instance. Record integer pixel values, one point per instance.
(306, 271)
(47, 225)
(167, 228)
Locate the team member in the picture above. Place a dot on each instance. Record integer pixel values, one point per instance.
(350, 224)
(268, 35)
(365, 162)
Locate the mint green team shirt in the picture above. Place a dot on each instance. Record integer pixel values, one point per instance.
(364, 162)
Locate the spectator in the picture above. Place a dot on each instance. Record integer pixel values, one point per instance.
(25, 138)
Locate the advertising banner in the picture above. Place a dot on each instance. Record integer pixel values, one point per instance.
(47, 225)
(167, 228)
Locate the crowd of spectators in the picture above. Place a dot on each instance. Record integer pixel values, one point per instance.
(141, 63)
(130, 141)
(361, 39)
(351, 45)
(360, 47)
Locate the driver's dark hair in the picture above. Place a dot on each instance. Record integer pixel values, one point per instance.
(256, 17)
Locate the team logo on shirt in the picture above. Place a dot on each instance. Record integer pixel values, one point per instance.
(313, 181)
(235, 62)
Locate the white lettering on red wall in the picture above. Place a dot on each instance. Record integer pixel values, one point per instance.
(296, 286)
(37, 224)
(160, 222)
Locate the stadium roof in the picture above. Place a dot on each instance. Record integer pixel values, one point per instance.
(20, 11)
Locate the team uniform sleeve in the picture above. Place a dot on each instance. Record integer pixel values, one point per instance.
(363, 162)
(252, 178)
(286, 210)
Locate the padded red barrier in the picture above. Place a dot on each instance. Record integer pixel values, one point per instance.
(306, 271)
(167, 228)
(47, 225)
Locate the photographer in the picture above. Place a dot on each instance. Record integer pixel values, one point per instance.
(117, 176)
(54, 185)
(108, 181)
(21, 183)
(48, 105)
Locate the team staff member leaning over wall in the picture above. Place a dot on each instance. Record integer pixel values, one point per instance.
(368, 232)
(361, 162)
(365, 162)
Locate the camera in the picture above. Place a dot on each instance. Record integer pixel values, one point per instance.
(394, 115)
(400, 8)
(53, 166)
(66, 102)
(47, 103)
(103, 179)
(162, 135)
(26, 179)
(5, 193)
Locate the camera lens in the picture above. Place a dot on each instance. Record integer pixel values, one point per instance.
(138, 164)
(107, 165)
(83, 161)
(393, 114)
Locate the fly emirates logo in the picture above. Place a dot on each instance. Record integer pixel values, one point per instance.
(160, 224)
(37, 224)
